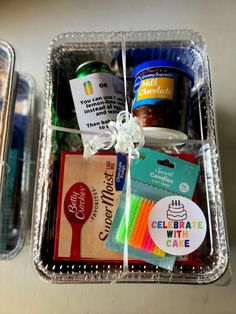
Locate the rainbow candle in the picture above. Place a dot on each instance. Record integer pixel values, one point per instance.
(137, 234)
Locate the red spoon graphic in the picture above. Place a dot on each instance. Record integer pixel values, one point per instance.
(78, 206)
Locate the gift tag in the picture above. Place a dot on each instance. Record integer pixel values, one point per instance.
(177, 225)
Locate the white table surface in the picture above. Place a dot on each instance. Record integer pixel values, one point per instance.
(29, 26)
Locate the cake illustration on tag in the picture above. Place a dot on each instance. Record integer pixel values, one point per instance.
(176, 211)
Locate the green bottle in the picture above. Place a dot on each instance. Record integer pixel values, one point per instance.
(91, 67)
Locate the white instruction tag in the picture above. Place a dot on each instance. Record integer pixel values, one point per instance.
(98, 98)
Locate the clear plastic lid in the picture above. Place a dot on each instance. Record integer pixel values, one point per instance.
(118, 257)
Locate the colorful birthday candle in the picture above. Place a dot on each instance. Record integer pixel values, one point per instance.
(137, 234)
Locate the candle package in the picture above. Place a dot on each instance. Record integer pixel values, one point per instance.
(128, 185)
(152, 180)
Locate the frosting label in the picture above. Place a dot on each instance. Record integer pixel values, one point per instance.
(151, 88)
(177, 225)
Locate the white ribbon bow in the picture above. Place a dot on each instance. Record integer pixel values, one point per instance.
(126, 135)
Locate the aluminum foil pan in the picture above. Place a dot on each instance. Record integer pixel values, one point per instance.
(16, 202)
(69, 50)
(7, 92)
(7, 64)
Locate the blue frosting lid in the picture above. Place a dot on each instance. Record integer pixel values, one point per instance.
(165, 64)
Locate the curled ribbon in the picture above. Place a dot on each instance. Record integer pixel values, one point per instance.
(125, 134)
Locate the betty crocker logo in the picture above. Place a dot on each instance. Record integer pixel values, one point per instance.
(78, 203)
